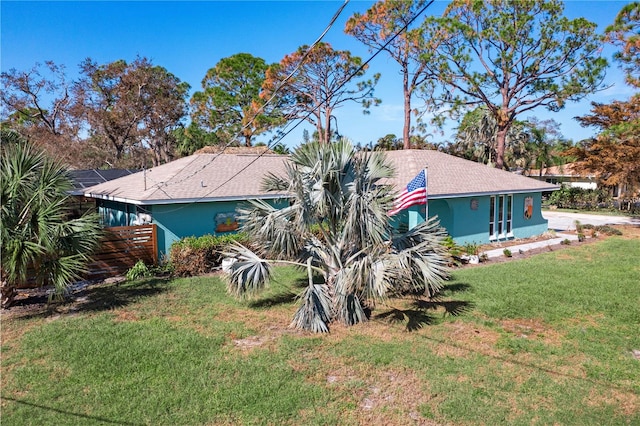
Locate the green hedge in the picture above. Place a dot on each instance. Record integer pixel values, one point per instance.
(580, 198)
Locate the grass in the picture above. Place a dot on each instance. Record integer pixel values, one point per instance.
(546, 340)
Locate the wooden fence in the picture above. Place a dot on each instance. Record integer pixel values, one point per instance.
(121, 248)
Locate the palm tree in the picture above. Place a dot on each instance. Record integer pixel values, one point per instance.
(38, 245)
(476, 139)
(337, 228)
(544, 140)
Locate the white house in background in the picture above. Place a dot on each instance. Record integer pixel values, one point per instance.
(567, 174)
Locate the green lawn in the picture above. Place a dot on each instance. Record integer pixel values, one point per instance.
(547, 340)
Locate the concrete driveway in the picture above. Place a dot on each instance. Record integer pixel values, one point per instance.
(562, 221)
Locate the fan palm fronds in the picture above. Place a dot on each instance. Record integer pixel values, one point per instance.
(336, 224)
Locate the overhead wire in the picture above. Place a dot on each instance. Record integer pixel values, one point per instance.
(303, 119)
(263, 106)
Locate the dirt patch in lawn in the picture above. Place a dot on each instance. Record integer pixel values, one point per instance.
(629, 231)
(531, 328)
(462, 339)
(390, 396)
(626, 402)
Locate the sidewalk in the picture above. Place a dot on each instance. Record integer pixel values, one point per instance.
(499, 252)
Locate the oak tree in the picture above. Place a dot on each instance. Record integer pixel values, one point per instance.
(513, 57)
(38, 97)
(131, 108)
(37, 104)
(311, 83)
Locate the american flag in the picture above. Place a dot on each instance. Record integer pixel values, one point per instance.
(414, 194)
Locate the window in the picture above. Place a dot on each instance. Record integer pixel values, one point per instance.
(509, 213)
(492, 217)
(500, 216)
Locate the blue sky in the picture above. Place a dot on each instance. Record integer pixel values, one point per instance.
(188, 38)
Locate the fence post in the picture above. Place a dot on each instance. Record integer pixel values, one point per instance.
(154, 238)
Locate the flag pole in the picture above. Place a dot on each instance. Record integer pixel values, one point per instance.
(426, 197)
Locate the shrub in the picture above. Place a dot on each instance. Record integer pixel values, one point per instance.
(602, 229)
(507, 252)
(200, 255)
(608, 230)
(566, 242)
(472, 248)
(137, 271)
(454, 249)
(579, 226)
(579, 198)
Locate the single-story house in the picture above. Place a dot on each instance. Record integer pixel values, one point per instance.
(199, 194)
(476, 203)
(191, 196)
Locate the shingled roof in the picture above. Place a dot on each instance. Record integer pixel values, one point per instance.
(450, 176)
(83, 179)
(197, 178)
(228, 177)
(565, 170)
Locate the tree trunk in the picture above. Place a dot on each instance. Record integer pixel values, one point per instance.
(7, 294)
(406, 130)
(327, 135)
(320, 130)
(501, 137)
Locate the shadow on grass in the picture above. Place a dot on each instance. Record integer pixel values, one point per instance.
(110, 297)
(69, 413)
(415, 318)
(285, 298)
(422, 309)
(455, 288)
(275, 300)
(93, 298)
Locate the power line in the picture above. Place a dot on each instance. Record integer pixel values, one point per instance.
(262, 107)
(303, 119)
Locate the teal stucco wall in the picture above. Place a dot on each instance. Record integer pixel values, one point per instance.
(113, 213)
(467, 219)
(176, 221)
(536, 225)
(470, 220)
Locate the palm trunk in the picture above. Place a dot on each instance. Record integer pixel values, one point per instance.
(7, 294)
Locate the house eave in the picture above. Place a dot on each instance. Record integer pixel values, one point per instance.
(486, 193)
(184, 200)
